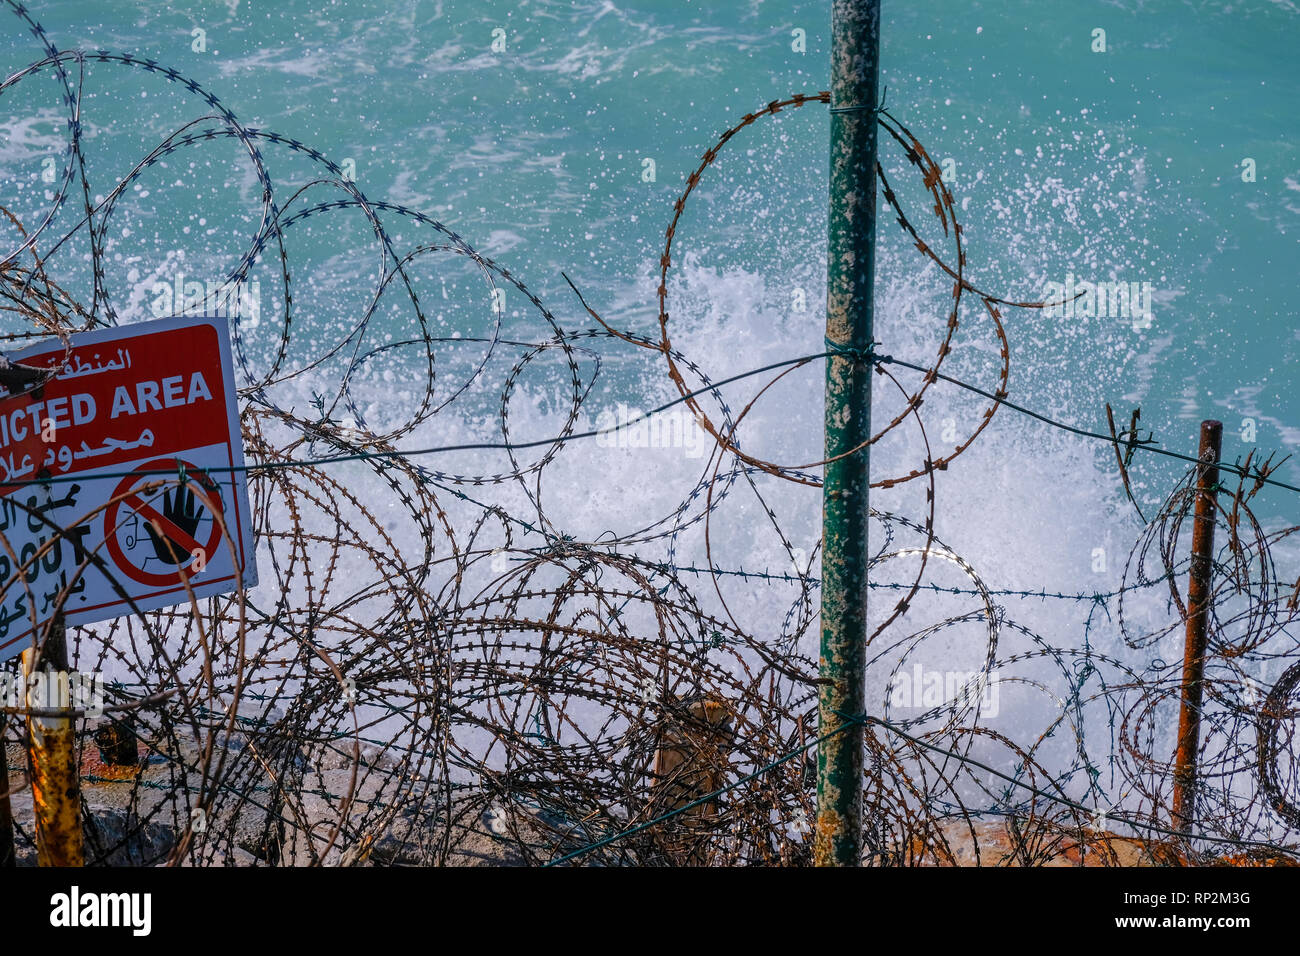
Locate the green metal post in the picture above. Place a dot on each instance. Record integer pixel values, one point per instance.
(850, 276)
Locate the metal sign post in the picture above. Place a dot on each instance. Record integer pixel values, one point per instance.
(1199, 595)
(56, 775)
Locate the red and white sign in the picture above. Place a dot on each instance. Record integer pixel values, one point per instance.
(121, 480)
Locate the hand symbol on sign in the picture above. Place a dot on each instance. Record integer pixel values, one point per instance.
(185, 513)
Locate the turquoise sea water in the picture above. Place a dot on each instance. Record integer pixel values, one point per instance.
(1065, 162)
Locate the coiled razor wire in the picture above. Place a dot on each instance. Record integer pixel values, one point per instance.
(411, 686)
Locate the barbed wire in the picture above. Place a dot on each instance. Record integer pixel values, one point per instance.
(444, 671)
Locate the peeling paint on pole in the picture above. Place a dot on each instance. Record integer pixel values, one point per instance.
(56, 775)
(850, 277)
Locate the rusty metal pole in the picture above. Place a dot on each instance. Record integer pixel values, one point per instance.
(1198, 616)
(850, 277)
(56, 776)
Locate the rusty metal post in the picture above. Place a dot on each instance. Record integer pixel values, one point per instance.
(850, 277)
(1198, 616)
(56, 776)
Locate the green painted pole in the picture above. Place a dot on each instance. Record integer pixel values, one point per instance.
(850, 276)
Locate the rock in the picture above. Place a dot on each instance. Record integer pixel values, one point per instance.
(115, 837)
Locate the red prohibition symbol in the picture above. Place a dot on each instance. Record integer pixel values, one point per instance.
(177, 520)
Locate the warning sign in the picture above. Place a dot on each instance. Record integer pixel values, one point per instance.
(171, 530)
(121, 479)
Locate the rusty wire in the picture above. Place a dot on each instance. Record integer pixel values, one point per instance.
(431, 678)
